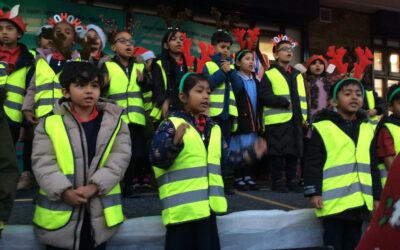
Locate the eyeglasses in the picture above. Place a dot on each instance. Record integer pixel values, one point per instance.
(286, 49)
(124, 41)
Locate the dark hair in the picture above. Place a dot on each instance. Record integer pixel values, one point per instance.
(390, 99)
(112, 35)
(339, 85)
(239, 55)
(79, 72)
(73, 29)
(167, 37)
(275, 48)
(221, 37)
(191, 80)
(167, 60)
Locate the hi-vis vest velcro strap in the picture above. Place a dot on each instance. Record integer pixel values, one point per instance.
(371, 105)
(347, 181)
(193, 185)
(394, 130)
(126, 92)
(156, 112)
(15, 86)
(52, 215)
(280, 87)
(218, 94)
(47, 88)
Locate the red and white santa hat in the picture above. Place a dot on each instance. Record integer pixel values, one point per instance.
(99, 32)
(12, 16)
(144, 53)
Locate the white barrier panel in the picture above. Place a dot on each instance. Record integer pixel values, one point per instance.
(252, 230)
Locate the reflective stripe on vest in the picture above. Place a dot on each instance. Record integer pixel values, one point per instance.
(394, 130)
(218, 94)
(371, 105)
(52, 215)
(347, 181)
(47, 88)
(280, 87)
(147, 100)
(192, 186)
(157, 112)
(15, 86)
(126, 93)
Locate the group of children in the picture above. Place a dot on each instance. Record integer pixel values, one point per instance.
(92, 113)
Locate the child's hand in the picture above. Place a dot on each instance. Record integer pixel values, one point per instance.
(317, 202)
(165, 109)
(260, 147)
(180, 132)
(72, 198)
(30, 117)
(139, 75)
(87, 191)
(225, 66)
(372, 112)
(147, 64)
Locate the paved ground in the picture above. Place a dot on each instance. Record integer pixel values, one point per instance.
(147, 203)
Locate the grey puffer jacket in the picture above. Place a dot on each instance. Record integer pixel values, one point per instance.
(54, 183)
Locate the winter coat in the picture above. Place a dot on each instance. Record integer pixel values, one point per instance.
(54, 183)
(283, 139)
(8, 164)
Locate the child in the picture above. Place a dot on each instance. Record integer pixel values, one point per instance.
(44, 89)
(340, 174)
(8, 166)
(283, 96)
(187, 152)
(124, 79)
(222, 100)
(44, 37)
(79, 156)
(16, 66)
(244, 85)
(97, 40)
(388, 144)
(167, 72)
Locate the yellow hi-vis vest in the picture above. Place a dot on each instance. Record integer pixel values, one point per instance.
(217, 97)
(147, 100)
(192, 187)
(156, 112)
(347, 181)
(394, 130)
(126, 93)
(53, 215)
(280, 87)
(48, 88)
(371, 105)
(15, 86)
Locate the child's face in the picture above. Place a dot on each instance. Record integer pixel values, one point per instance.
(9, 34)
(123, 45)
(246, 63)
(83, 96)
(175, 43)
(66, 33)
(95, 41)
(395, 108)
(45, 43)
(223, 48)
(349, 99)
(284, 53)
(317, 68)
(198, 100)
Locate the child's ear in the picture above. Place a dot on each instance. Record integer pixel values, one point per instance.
(65, 93)
(183, 98)
(113, 47)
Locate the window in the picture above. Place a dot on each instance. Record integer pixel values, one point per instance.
(378, 60)
(379, 86)
(394, 63)
(391, 82)
(266, 46)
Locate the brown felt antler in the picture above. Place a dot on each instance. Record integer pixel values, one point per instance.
(189, 58)
(336, 56)
(239, 36)
(364, 59)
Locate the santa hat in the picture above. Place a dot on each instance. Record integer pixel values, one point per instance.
(100, 33)
(144, 53)
(315, 58)
(13, 17)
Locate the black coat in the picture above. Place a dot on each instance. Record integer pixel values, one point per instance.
(284, 139)
(315, 159)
